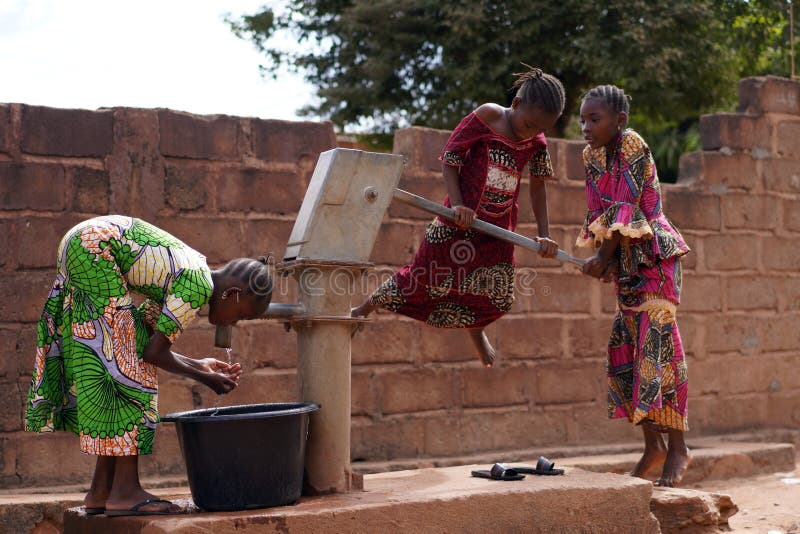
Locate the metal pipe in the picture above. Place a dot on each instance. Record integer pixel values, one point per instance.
(481, 226)
(223, 337)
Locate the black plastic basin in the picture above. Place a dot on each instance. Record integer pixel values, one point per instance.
(242, 457)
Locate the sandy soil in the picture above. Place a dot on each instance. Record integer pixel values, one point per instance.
(767, 503)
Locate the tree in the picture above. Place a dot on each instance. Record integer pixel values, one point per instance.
(429, 62)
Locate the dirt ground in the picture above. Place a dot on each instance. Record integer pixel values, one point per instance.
(767, 503)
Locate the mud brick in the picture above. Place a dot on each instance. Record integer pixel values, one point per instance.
(741, 333)
(265, 237)
(8, 232)
(12, 400)
(570, 382)
(395, 245)
(592, 425)
(447, 345)
(782, 175)
(22, 295)
(286, 141)
(691, 210)
(528, 338)
(421, 146)
(573, 160)
(781, 254)
(66, 132)
(701, 294)
(708, 377)
(737, 131)
(499, 386)
(788, 138)
(46, 234)
(362, 395)
(167, 458)
(72, 466)
(5, 129)
(91, 189)
(690, 167)
(264, 343)
(726, 252)
(783, 410)
(752, 292)
(255, 387)
(769, 94)
(763, 374)
(692, 329)
(185, 188)
(197, 341)
(35, 186)
(387, 439)
(430, 187)
(17, 350)
(749, 211)
(781, 333)
(730, 413)
(261, 191)
(791, 215)
(566, 204)
(556, 148)
(539, 291)
(523, 428)
(219, 239)
(175, 393)
(589, 337)
(184, 135)
(737, 170)
(443, 436)
(414, 390)
(389, 340)
(791, 294)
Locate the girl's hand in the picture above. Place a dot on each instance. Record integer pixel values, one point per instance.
(218, 382)
(549, 247)
(464, 217)
(612, 270)
(595, 266)
(233, 371)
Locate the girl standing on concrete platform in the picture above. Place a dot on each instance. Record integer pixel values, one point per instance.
(460, 278)
(95, 371)
(640, 250)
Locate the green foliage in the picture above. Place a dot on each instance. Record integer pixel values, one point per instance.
(381, 64)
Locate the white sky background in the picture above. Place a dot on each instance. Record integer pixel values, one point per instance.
(177, 54)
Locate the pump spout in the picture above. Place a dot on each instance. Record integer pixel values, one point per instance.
(277, 310)
(223, 336)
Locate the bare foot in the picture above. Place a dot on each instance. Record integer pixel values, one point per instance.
(675, 466)
(486, 352)
(651, 459)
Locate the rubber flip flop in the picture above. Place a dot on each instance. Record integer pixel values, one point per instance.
(498, 472)
(543, 467)
(94, 510)
(135, 509)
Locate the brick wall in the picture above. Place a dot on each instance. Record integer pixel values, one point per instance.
(231, 187)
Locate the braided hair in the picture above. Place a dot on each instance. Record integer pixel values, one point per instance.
(613, 96)
(540, 88)
(253, 275)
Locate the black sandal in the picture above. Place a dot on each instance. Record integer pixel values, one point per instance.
(499, 472)
(543, 467)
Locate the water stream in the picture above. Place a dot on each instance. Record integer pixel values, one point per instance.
(216, 404)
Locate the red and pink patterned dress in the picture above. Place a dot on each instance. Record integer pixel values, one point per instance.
(647, 376)
(462, 278)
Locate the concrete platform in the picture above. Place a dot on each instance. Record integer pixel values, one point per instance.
(442, 500)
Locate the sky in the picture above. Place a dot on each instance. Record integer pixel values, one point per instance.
(177, 54)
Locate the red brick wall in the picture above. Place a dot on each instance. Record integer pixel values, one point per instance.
(231, 187)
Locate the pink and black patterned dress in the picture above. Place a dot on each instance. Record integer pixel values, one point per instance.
(647, 376)
(462, 278)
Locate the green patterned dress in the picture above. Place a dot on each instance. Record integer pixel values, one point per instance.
(89, 376)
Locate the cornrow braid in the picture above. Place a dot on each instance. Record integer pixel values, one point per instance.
(253, 274)
(540, 88)
(613, 96)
